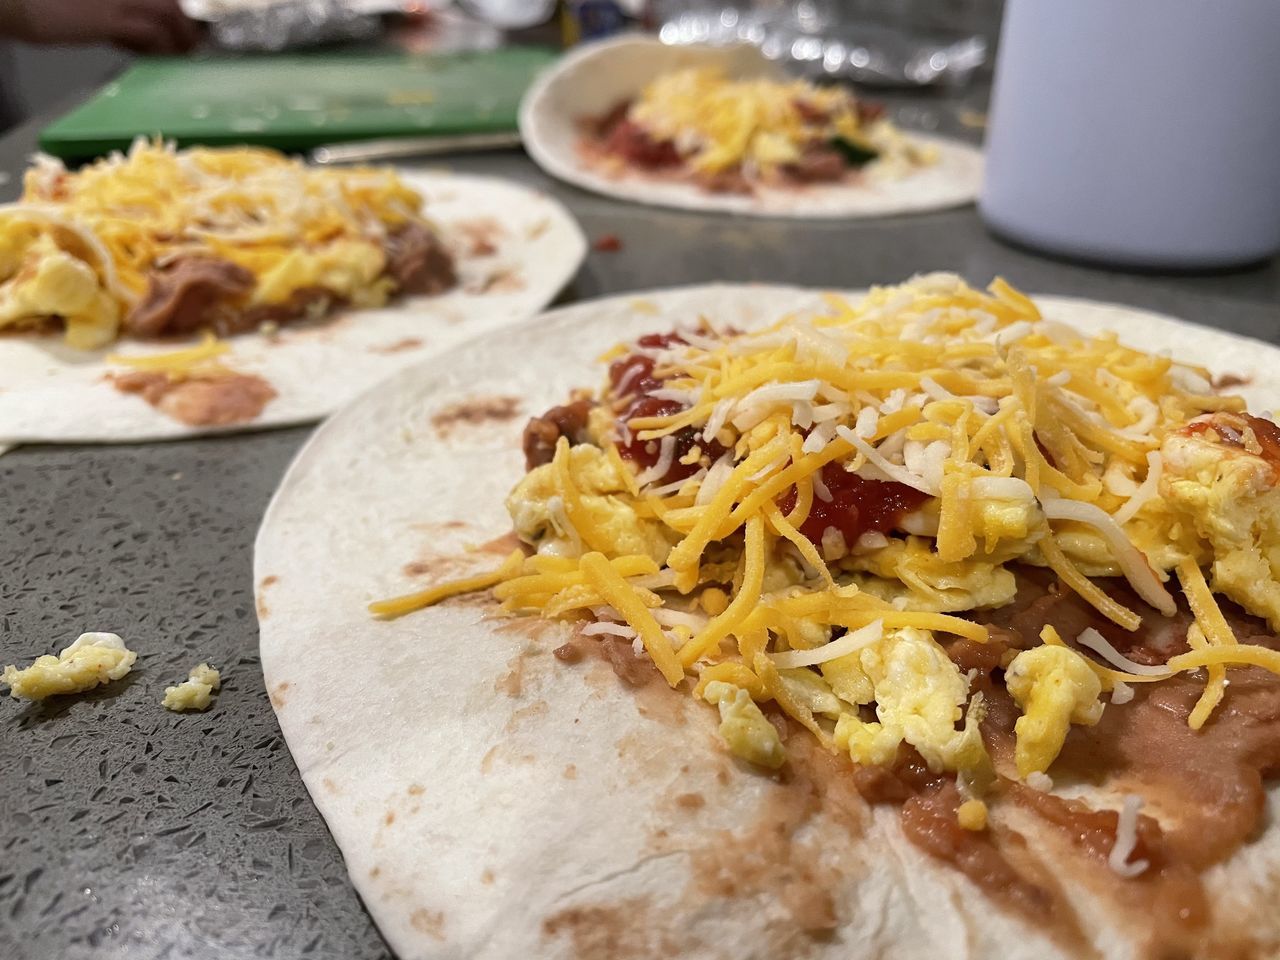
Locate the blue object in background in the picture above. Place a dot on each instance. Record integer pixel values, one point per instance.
(594, 19)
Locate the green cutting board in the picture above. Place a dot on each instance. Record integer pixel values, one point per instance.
(299, 101)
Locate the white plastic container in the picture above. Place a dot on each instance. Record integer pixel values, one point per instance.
(1138, 132)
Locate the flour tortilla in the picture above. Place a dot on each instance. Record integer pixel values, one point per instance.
(591, 81)
(492, 802)
(49, 392)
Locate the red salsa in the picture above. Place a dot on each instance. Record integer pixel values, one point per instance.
(634, 144)
(1230, 429)
(632, 377)
(857, 505)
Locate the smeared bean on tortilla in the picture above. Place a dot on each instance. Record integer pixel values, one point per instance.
(475, 413)
(218, 400)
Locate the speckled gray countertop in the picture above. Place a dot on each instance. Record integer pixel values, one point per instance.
(128, 831)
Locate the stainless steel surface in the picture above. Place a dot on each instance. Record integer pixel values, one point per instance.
(129, 832)
(402, 148)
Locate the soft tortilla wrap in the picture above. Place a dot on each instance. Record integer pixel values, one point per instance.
(493, 802)
(589, 82)
(53, 393)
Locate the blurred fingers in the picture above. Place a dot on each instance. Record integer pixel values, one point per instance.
(144, 36)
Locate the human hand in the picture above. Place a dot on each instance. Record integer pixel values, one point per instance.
(143, 26)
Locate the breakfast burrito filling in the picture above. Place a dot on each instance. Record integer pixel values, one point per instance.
(162, 242)
(958, 547)
(730, 135)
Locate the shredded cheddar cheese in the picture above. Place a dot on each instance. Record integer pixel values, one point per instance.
(399, 606)
(177, 364)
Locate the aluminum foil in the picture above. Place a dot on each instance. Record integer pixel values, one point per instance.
(290, 24)
(865, 51)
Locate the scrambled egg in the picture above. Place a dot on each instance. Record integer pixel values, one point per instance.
(910, 568)
(1015, 522)
(93, 659)
(195, 692)
(538, 512)
(41, 280)
(745, 729)
(918, 694)
(1230, 497)
(810, 689)
(351, 269)
(1055, 687)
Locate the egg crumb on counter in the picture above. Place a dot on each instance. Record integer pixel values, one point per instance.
(194, 693)
(93, 659)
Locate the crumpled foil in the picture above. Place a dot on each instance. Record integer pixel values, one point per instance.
(290, 24)
(863, 51)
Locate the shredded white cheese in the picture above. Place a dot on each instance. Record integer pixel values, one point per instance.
(675, 394)
(867, 422)
(678, 618)
(1099, 644)
(891, 470)
(820, 488)
(1127, 840)
(666, 458)
(611, 629)
(1133, 564)
(849, 643)
(833, 545)
(1147, 491)
(720, 471)
(819, 437)
(717, 419)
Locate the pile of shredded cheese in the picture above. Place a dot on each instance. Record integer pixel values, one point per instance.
(757, 125)
(1030, 443)
(101, 231)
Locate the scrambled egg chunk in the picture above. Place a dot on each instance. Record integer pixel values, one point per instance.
(195, 692)
(810, 689)
(351, 269)
(538, 510)
(996, 519)
(745, 729)
(1055, 687)
(1230, 495)
(93, 659)
(918, 694)
(45, 281)
(909, 568)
